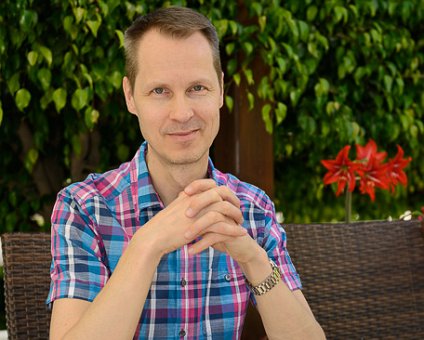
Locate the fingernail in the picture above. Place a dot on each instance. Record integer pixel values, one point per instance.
(190, 251)
(188, 234)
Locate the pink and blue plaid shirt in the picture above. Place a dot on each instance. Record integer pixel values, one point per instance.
(194, 297)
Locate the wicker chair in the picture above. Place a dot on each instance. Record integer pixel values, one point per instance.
(26, 284)
(362, 280)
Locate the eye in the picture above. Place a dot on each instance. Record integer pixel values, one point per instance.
(158, 90)
(198, 88)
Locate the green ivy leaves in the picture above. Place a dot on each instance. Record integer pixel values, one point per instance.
(320, 74)
(59, 98)
(22, 99)
(335, 74)
(80, 98)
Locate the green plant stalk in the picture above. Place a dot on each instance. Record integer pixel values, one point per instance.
(348, 206)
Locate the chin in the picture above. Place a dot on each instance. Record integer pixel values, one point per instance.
(186, 157)
(183, 160)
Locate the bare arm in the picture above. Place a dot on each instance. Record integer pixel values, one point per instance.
(115, 312)
(285, 314)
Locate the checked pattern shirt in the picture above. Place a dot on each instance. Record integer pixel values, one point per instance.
(193, 297)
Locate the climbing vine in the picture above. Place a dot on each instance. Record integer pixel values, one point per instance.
(336, 72)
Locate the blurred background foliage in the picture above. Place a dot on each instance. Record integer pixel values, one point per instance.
(339, 72)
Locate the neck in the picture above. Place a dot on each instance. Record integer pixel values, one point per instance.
(170, 179)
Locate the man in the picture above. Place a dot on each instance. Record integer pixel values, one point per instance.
(186, 244)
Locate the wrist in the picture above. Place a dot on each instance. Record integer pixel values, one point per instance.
(257, 268)
(147, 245)
(270, 282)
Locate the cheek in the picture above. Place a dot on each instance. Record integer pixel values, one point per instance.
(211, 116)
(209, 110)
(149, 121)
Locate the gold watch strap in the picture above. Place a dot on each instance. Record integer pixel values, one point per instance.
(269, 283)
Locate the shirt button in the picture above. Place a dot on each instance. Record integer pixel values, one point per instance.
(182, 333)
(227, 277)
(183, 282)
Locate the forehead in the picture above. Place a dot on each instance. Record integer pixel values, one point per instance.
(159, 54)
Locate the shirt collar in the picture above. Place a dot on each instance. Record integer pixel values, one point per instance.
(140, 177)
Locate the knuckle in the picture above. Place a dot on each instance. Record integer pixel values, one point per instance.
(223, 189)
(216, 216)
(211, 182)
(217, 196)
(229, 208)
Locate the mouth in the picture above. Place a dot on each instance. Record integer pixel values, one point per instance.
(182, 133)
(183, 136)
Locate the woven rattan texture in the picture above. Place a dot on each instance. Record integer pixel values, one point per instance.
(26, 284)
(362, 280)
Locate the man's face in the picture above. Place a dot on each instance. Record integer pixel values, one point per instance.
(176, 97)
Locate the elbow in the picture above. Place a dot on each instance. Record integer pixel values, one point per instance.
(315, 332)
(311, 332)
(319, 332)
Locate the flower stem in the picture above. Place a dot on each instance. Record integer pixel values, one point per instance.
(348, 206)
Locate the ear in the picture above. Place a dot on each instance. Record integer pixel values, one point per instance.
(129, 98)
(222, 90)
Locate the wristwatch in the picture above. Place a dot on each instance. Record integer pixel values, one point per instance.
(269, 283)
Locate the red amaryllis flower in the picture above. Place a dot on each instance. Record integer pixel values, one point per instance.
(341, 170)
(373, 175)
(395, 169)
(369, 151)
(371, 170)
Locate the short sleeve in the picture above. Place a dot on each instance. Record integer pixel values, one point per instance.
(275, 244)
(77, 270)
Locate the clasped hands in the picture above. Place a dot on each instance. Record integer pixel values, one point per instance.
(207, 214)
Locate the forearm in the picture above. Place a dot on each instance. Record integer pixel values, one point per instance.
(284, 316)
(115, 312)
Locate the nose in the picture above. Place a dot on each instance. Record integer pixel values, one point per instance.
(180, 109)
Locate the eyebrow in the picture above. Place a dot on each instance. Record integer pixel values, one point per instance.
(155, 84)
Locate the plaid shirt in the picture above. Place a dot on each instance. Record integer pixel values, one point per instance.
(198, 297)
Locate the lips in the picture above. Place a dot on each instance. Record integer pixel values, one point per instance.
(182, 133)
(183, 136)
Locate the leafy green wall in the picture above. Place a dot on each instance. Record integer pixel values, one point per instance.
(340, 72)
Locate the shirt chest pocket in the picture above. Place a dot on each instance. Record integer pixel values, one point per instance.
(227, 298)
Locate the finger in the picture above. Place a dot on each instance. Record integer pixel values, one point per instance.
(206, 241)
(228, 195)
(202, 200)
(225, 208)
(199, 186)
(216, 222)
(223, 228)
(182, 194)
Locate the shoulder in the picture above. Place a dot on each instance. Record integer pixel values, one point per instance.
(107, 185)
